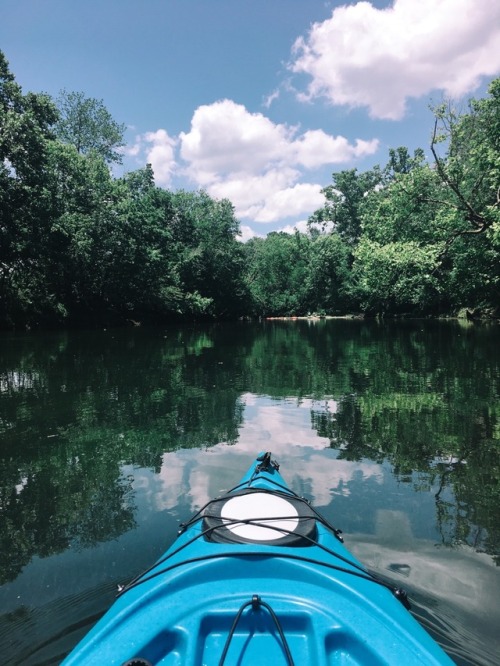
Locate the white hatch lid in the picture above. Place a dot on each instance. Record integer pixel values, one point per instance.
(275, 513)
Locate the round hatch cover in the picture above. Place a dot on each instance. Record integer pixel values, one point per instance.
(253, 516)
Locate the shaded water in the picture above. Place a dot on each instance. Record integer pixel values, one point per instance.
(108, 439)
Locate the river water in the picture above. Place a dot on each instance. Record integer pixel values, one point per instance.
(109, 438)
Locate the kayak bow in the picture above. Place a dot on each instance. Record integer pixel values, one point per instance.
(258, 576)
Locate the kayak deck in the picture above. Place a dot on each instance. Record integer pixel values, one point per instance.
(227, 592)
(323, 626)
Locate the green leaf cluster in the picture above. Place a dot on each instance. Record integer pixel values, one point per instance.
(423, 237)
(411, 238)
(79, 245)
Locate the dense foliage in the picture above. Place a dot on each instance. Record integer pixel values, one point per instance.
(77, 244)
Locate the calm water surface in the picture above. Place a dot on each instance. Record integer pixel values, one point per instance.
(108, 439)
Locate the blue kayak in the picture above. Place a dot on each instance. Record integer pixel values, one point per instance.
(258, 577)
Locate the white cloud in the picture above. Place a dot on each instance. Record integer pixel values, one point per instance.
(315, 148)
(304, 227)
(158, 149)
(247, 190)
(226, 138)
(245, 157)
(134, 149)
(269, 197)
(271, 98)
(246, 233)
(161, 155)
(298, 226)
(258, 164)
(378, 58)
(291, 201)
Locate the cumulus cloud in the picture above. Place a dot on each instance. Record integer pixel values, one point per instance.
(158, 149)
(315, 148)
(258, 164)
(225, 137)
(246, 233)
(291, 201)
(269, 196)
(379, 58)
(304, 227)
(160, 154)
(301, 226)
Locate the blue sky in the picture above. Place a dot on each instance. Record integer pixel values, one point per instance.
(258, 101)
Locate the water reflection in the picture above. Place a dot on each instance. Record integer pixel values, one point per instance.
(108, 438)
(284, 427)
(454, 592)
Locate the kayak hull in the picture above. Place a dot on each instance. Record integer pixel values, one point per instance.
(254, 603)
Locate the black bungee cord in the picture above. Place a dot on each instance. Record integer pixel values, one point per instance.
(256, 603)
(358, 571)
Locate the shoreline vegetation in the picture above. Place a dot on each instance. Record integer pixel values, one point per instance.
(78, 246)
(463, 314)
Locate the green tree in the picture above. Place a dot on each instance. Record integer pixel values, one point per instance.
(429, 235)
(395, 276)
(25, 133)
(329, 274)
(115, 248)
(210, 259)
(403, 209)
(82, 231)
(143, 278)
(345, 200)
(469, 197)
(401, 162)
(277, 273)
(470, 170)
(85, 123)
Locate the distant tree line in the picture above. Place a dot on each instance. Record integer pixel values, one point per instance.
(79, 245)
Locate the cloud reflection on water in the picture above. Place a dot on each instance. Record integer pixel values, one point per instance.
(284, 427)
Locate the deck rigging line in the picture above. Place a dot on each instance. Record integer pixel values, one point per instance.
(354, 570)
(256, 603)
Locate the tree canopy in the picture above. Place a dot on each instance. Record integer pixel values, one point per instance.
(78, 244)
(86, 124)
